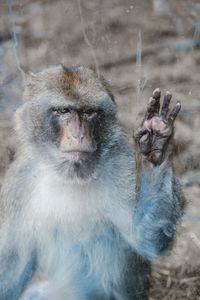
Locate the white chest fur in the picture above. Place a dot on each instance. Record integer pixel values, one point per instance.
(73, 212)
(72, 205)
(75, 207)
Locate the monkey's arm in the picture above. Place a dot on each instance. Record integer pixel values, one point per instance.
(159, 209)
(160, 200)
(18, 257)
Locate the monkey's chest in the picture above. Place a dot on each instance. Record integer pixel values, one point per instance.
(87, 264)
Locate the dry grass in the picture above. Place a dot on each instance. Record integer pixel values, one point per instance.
(174, 283)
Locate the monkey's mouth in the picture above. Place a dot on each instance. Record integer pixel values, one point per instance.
(76, 155)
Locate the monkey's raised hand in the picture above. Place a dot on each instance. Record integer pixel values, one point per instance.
(157, 127)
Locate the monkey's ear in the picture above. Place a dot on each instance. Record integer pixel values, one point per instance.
(32, 74)
(30, 82)
(30, 78)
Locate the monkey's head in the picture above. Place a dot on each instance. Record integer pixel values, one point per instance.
(68, 118)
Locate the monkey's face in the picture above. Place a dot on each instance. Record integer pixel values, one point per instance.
(73, 138)
(76, 132)
(76, 135)
(67, 119)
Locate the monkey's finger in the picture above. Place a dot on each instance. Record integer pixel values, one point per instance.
(174, 113)
(157, 94)
(154, 104)
(152, 108)
(165, 106)
(140, 132)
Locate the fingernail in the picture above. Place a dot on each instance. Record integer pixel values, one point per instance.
(168, 93)
(156, 93)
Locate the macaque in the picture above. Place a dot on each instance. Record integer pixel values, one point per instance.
(76, 223)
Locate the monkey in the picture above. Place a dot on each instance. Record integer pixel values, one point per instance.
(75, 223)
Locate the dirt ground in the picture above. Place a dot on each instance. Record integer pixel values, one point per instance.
(137, 46)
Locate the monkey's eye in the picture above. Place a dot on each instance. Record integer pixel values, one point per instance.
(90, 113)
(61, 110)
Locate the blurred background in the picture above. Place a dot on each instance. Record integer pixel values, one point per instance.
(137, 45)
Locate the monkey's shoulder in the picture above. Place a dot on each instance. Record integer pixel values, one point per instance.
(18, 181)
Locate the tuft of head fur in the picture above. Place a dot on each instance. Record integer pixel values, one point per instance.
(76, 82)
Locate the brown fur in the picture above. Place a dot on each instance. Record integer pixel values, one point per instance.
(75, 82)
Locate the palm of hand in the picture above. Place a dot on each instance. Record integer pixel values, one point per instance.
(157, 127)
